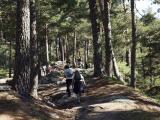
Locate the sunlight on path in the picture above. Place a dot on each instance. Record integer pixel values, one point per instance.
(6, 117)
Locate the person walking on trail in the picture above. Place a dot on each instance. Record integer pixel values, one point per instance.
(68, 73)
(78, 84)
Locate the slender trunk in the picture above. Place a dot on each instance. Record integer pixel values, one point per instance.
(46, 43)
(57, 48)
(51, 49)
(5, 54)
(116, 70)
(110, 58)
(150, 67)
(143, 65)
(1, 29)
(65, 48)
(74, 49)
(86, 54)
(105, 12)
(97, 57)
(87, 51)
(10, 59)
(34, 51)
(63, 55)
(39, 38)
(22, 55)
(133, 48)
(61, 49)
(127, 57)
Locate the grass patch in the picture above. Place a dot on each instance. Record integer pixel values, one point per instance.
(3, 72)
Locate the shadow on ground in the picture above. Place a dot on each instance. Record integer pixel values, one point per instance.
(23, 109)
(90, 114)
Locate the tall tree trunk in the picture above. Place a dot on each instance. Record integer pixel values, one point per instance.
(65, 47)
(10, 59)
(5, 54)
(74, 49)
(57, 48)
(127, 57)
(116, 70)
(61, 49)
(87, 51)
(110, 57)
(63, 54)
(22, 55)
(46, 43)
(86, 42)
(67, 50)
(142, 63)
(105, 11)
(151, 66)
(1, 29)
(51, 49)
(127, 54)
(133, 48)
(34, 51)
(97, 56)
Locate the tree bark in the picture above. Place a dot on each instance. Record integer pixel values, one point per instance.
(67, 50)
(74, 49)
(33, 50)
(57, 48)
(151, 66)
(97, 56)
(10, 59)
(1, 29)
(109, 56)
(86, 43)
(61, 49)
(22, 55)
(143, 65)
(51, 49)
(46, 43)
(127, 54)
(133, 48)
(127, 57)
(105, 12)
(116, 70)
(65, 47)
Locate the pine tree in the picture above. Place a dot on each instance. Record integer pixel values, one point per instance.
(22, 56)
(34, 49)
(97, 54)
(133, 49)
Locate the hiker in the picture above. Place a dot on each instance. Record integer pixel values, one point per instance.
(78, 84)
(68, 74)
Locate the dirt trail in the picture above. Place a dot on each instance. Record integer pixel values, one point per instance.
(102, 101)
(106, 101)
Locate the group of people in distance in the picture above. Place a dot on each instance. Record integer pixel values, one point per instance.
(74, 79)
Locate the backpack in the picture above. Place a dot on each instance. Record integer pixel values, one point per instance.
(78, 78)
(69, 73)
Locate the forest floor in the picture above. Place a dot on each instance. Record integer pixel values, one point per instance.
(103, 100)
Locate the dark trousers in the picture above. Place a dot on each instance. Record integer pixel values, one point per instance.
(68, 84)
